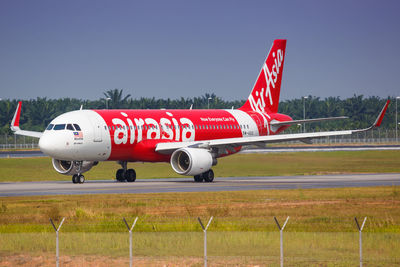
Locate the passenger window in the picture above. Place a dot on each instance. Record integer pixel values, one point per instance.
(50, 127)
(70, 127)
(58, 127)
(77, 127)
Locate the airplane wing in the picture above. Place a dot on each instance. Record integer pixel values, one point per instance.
(230, 143)
(15, 125)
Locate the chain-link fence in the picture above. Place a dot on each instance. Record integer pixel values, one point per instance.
(18, 142)
(186, 248)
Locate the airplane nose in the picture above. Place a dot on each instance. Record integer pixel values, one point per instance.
(46, 145)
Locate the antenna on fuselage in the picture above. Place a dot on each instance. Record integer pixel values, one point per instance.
(81, 107)
(191, 106)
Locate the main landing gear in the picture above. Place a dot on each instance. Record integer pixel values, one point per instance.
(125, 174)
(207, 177)
(78, 178)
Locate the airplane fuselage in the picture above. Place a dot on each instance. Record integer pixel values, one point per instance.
(132, 135)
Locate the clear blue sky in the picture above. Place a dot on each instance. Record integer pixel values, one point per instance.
(171, 49)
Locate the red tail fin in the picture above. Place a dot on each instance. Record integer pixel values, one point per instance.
(265, 94)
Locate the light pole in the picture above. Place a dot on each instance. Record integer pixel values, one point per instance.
(304, 112)
(208, 102)
(107, 102)
(398, 97)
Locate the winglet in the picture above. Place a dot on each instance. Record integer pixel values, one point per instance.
(378, 120)
(15, 120)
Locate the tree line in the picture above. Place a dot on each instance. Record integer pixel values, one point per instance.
(362, 111)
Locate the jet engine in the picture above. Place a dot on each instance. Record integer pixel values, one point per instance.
(192, 161)
(69, 168)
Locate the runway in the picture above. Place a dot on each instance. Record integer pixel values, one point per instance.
(187, 184)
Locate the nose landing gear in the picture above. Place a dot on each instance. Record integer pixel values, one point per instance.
(125, 174)
(78, 178)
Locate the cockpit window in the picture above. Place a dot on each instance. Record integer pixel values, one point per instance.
(70, 127)
(50, 127)
(77, 127)
(59, 127)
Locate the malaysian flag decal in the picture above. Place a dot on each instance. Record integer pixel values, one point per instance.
(78, 135)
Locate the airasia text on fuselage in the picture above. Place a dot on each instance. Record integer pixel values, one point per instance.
(134, 130)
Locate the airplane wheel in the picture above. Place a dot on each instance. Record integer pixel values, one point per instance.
(120, 175)
(131, 175)
(75, 179)
(208, 176)
(81, 179)
(198, 178)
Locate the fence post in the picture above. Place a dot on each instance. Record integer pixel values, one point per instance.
(205, 238)
(281, 234)
(57, 248)
(130, 239)
(360, 228)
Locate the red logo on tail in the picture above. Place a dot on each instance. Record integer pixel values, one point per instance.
(264, 97)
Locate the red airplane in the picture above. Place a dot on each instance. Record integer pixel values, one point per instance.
(191, 140)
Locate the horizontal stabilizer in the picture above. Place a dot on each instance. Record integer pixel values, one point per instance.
(278, 123)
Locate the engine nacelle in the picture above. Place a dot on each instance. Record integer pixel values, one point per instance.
(191, 161)
(67, 167)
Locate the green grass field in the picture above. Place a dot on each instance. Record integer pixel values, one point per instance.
(273, 164)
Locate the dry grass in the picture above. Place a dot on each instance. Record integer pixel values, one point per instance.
(321, 230)
(310, 209)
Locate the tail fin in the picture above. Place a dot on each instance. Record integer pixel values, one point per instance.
(265, 94)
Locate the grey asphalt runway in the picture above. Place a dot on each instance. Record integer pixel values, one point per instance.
(187, 184)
